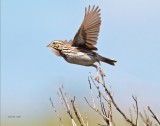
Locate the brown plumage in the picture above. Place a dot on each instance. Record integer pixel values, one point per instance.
(87, 35)
(80, 50)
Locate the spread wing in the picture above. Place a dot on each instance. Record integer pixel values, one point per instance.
(87, 34)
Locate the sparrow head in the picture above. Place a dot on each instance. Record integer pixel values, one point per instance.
(56, 44)
(56, 47)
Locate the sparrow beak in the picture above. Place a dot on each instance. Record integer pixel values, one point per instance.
(48, 45)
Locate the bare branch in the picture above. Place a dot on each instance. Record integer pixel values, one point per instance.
(109, 94)
(103, 109)
(60, 119)
(136, 109)
(94, 105)
(118, 109)
(77, 113)
(153, 115)
(110, 112)
(66, 104)
(73, 122)
(109, 122)
(62, 101)
(96, 110)
(145, 119)
(99, 91)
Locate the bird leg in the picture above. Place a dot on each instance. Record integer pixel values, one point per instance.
(97, 77)
(100, 69)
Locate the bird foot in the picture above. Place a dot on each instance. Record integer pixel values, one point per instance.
(102, 72)
(97, 78)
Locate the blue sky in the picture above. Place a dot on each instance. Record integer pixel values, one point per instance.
(31, 73)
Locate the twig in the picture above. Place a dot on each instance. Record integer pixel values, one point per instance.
(96, 110)
(60, 119)
(118, 109)
(90, 86)
(73, 122)
(153, 115)
(110, 112)
(103, 109)
(145, 119)
(115, 105)
(97, 87)
(67, 98)
(136, 109)
(62, 101)
(66, 104)
(77, 113)
(101, 103)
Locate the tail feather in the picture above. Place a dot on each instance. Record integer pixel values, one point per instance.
(107, 60)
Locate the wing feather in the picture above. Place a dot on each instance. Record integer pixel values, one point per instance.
(87, 34)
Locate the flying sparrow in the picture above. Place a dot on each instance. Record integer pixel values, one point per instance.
(81, 50)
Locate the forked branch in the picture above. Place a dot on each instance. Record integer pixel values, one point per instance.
(111, 98)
